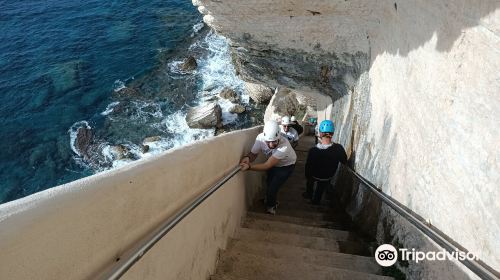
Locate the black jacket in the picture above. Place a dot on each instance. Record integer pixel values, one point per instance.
(298, 127)
(322, 163)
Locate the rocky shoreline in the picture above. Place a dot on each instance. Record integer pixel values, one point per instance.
(133, 124)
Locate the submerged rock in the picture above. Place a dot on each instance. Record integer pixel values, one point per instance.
(229, 94)
(66, 76)
(237, 109)
(205, 116)
(145, 149)
(126, 93)
(259, 93)
(189, 64)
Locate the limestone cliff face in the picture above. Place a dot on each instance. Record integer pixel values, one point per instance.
(414, 90)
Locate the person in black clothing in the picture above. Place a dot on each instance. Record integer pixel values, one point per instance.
(296, 125)
(322, 162)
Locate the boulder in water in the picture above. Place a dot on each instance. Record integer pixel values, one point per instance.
(260, 94)
(189, 64)
(237, 109)
(120, 151)
(229, 94)
(84, 139)
(208, 115)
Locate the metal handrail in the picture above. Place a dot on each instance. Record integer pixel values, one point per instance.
(124, 263)
(479, 268)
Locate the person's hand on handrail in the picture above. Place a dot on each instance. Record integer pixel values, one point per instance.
(244, 166)
(245, 159)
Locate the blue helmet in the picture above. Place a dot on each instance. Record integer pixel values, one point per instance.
(326, 126)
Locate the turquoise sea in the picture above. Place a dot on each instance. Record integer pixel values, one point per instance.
(62, 63)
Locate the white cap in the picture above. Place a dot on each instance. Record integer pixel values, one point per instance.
(285, 121)
(271, 131)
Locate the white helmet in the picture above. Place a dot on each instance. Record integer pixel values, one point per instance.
(293, 119)
(285, 121)
(271, 131)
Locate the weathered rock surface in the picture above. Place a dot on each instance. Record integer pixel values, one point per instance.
(189, 64)
(283, 103)
(259, 93)
(229, 94)
(237, 109)
(84, 139)
(306, 99)
(415, 111)
(205, 116)
(120, 151)
(126, 93)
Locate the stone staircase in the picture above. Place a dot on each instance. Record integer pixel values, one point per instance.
(302, 241)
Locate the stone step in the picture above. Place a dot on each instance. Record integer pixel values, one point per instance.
(296, 220)
(290, 228)
(294, 183)
(292, 198)
(305, 255)
(295, 203)
(303, 205)
(294, 212)
(317, 243)
(238, 265)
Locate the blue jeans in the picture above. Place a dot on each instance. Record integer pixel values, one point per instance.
(276, 177)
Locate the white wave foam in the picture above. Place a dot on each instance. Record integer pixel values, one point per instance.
(144, 111)
(73, 132)
(197, 27)
(216, 71)
(110, 108)
(118, 85)
(177, 126)
(174, 67)
(113, 157)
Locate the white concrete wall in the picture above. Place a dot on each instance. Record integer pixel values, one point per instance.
(421, 118)
(76, 230)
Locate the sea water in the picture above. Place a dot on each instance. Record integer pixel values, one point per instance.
(62, 65)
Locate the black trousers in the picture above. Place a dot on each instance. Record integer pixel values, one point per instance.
(316, 194)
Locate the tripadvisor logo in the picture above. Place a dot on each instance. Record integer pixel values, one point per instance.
(387, 255)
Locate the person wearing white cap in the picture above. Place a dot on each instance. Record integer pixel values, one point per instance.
(279, 165)
(289, 132)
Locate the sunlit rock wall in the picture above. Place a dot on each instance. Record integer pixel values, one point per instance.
(415, 87)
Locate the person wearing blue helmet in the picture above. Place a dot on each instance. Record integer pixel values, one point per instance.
(322, 162)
